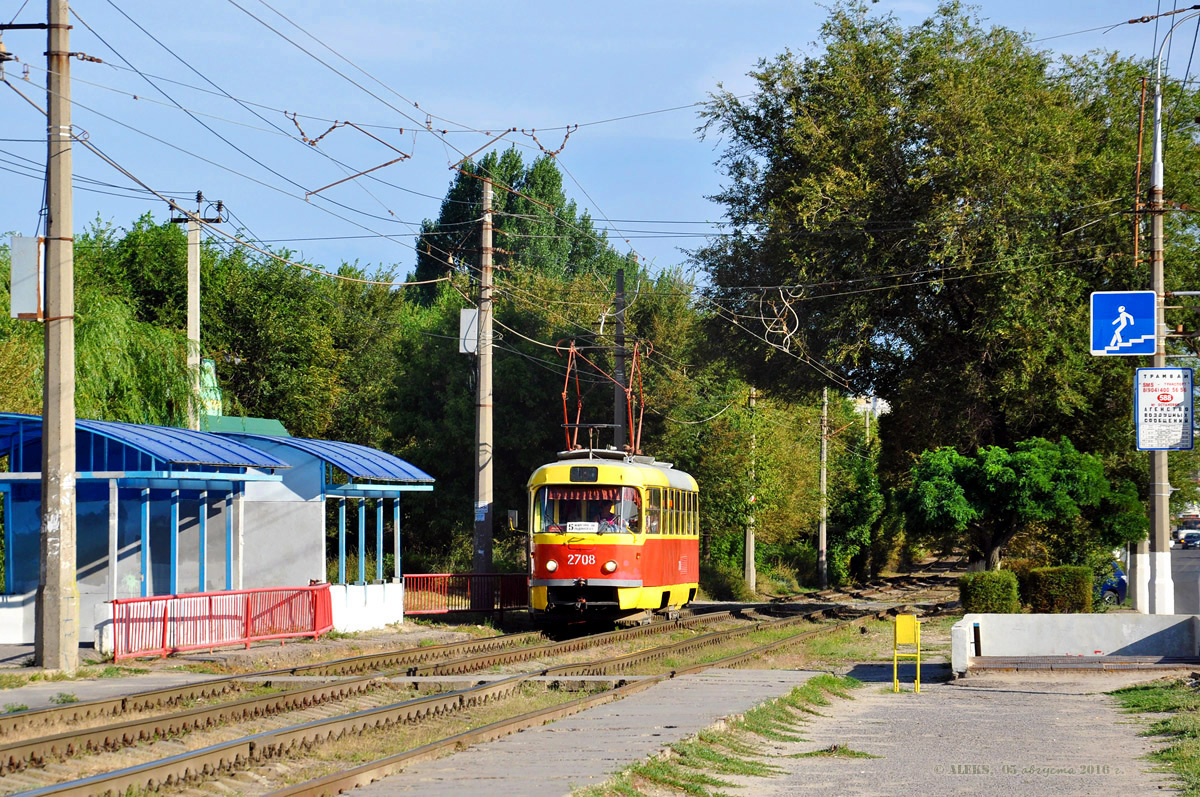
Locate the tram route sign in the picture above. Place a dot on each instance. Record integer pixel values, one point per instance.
(1123, 323)
(1163, 407)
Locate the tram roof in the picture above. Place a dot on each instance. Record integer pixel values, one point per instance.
(613, 467)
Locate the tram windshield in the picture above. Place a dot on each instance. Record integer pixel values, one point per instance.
(594, 509)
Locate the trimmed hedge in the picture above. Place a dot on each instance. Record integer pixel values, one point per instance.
(989, 592)
(1058, 590)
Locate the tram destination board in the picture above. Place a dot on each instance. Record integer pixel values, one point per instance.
(1163, 409)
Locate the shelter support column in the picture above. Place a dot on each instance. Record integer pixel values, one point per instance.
(144, 523)
(174, 531)
(112, 539)
(379, 540)
(341, 540)
(229, 540)
(9, 570)
(202, 525)
(362, 541)
(239, 518)
(398, 575)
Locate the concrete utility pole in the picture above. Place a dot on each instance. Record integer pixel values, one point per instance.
(193, 221)
(1161, 587)
(57, 631)
(620, 398)
(822, 564)
(751, 573)
(483, 403)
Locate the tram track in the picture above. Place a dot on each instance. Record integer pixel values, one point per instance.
(272, 744)
(36, 751)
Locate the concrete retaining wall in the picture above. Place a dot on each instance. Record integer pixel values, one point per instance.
(363, 607)
(1115, 634)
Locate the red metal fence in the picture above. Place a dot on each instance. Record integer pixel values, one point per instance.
(441, 593)
(166, 624)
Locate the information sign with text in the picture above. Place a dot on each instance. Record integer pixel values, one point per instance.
(1163, 408)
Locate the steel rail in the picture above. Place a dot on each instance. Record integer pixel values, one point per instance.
(269, 745)
(34, 751)
(365, 774)
(18, 723)
(17, 755)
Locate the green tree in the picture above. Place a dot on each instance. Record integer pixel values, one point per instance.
(982, 502)
(935, 203)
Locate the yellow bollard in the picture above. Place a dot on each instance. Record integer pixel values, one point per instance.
(908, 632)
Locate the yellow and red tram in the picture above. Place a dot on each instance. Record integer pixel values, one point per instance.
(612, 532)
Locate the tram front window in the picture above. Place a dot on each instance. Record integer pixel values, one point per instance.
(589, 510)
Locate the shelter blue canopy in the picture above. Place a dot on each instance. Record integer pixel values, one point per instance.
(166, 448)
(357, 462)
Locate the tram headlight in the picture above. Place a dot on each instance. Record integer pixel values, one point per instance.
(609, 566)
(551, 565)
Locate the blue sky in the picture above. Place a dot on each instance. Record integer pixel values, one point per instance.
(472, 65)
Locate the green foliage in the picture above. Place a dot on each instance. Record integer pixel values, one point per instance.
(1021, 568)
(989, 592)
(721, 582)
(1066, 589)
(983, 502)
(900, 177)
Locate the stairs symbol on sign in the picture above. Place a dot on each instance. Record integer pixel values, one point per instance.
(1128, 344)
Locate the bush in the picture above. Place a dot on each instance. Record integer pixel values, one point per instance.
(1066, 589)
(1021, 569)
(989, 592)
(723, 583)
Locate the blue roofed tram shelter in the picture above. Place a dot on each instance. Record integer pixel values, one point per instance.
(166, 511)
(156, 510)
(351, 475)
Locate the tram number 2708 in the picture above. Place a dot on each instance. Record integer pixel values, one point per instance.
(581, 558)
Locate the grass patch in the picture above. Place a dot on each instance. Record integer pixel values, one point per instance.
(62, 698)
(116, 671)
(11, 681)
(12, 708)
(834, 751)
(694, 766)
(1181, 704)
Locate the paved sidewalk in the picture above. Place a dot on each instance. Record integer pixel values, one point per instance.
(1027, 734)
(584, 749)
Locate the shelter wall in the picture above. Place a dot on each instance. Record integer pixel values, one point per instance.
(284, 543)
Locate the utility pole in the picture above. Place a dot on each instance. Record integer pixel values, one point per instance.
(751, 572)
(1161, 587)
(56, 638)
(193, 221)
(620, 397)
(822, 564)
(483, 403)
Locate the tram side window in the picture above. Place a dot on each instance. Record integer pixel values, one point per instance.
(654, 511)
(670, 512)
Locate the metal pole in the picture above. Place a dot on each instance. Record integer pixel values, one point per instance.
(620, 399)
(483, 404)
(822, 564)
(56, 638)
(751, 571)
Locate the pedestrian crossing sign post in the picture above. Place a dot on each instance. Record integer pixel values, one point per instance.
(1123, 323)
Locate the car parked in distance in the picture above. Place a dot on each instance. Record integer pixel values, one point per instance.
(1114, 589)
(1190, 540)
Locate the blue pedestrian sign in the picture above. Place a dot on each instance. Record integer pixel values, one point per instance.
(1123, 323)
